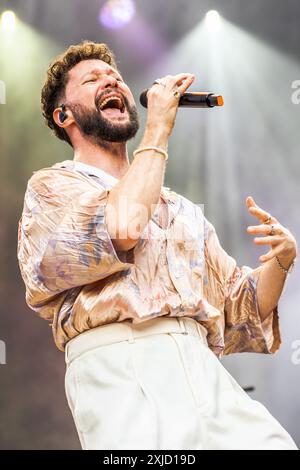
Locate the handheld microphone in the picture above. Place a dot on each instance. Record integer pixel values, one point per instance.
(201, 99)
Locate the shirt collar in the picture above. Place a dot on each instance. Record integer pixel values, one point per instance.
(109, 181)
(106, 178)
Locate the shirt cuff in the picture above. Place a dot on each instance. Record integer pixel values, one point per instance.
(267, 330)
(244, 329)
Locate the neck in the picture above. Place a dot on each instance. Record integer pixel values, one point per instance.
(111, 157)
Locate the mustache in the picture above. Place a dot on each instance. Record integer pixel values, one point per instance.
(91, 123)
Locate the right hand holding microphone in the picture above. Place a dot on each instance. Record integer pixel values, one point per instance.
(163, 99)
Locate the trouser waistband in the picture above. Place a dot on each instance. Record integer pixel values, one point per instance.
(128, 331)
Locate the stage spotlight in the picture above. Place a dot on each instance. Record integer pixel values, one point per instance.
(212, 20)
(116, 13)
(8, 21)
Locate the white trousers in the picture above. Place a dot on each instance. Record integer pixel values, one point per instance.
(157, 385)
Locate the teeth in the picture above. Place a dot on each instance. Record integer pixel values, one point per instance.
(108, 99)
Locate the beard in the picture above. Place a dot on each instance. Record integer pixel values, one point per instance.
(92, 123)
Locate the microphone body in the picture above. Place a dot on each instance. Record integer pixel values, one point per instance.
(202, 99)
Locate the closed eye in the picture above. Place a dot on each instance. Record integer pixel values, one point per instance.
(90, 80)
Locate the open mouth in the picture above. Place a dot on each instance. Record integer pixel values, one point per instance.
(112, 106)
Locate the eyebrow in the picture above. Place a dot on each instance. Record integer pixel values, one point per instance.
(98, 72)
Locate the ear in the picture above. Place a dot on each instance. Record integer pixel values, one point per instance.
(57, 117)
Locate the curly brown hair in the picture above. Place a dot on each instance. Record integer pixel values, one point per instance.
(57, 78)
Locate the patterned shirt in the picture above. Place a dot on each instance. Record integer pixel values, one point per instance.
(76, 280)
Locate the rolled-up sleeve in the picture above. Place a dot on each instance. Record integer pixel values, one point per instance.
(63, 240)
(235, 292)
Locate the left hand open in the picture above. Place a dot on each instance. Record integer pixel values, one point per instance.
(282, 242)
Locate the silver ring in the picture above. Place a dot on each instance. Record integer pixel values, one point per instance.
(268, 220)
(272, 231)
(158, 82)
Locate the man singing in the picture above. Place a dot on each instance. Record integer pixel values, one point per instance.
(140, 294)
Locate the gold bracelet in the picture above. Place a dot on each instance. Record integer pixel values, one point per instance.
(286, 271)
(156, 149)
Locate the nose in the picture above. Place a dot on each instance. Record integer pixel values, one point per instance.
(110, 81)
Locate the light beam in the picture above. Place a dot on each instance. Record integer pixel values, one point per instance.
(8, 21)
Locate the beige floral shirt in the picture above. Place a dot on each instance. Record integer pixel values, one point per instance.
(76, 280)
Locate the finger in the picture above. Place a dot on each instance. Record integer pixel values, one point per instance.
(254, 208)
(163, 81)
(250, 201)
(261, 214)
(171, 80)
(258, 212)
(179, 78)
(271, 254)
(186, 84)
(268, 240)
(264, 229)
(180, 81)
